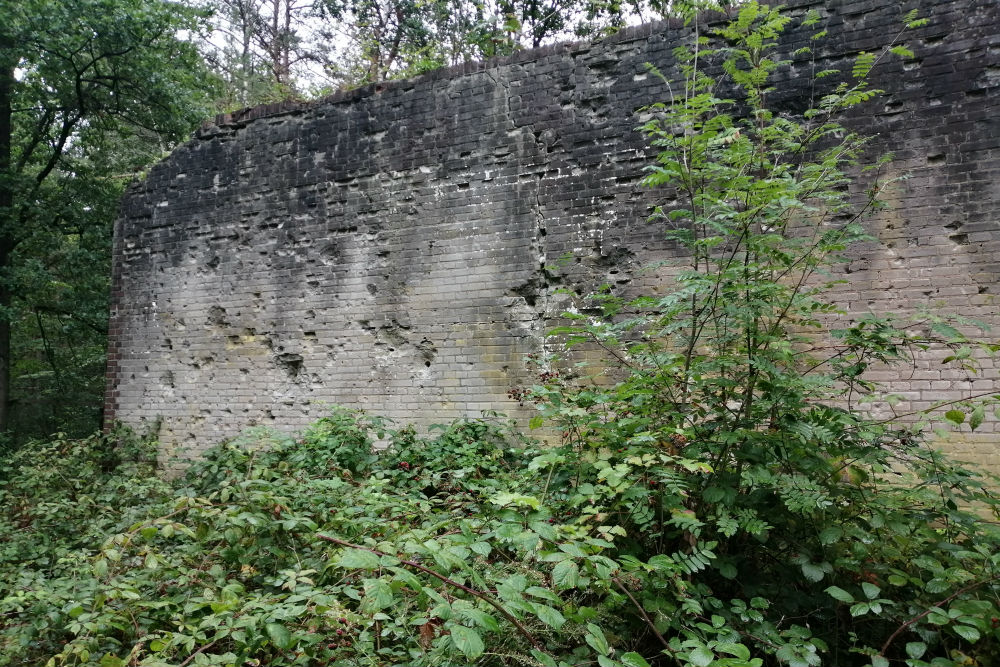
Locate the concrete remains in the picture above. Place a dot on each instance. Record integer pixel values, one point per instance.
(403, 248)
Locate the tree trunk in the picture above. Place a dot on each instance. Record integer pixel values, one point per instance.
(8, 62)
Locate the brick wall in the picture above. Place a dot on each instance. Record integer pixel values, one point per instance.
(402, 248)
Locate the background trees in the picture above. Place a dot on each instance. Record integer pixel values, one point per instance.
(272, 48)
(90, 93)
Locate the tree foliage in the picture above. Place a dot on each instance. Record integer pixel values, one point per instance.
(273, 48)
(90, 93)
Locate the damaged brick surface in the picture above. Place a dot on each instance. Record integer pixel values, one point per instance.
(403, 248)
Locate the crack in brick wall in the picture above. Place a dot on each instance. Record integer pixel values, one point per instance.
(404, 247)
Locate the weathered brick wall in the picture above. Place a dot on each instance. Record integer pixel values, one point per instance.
(395, 248)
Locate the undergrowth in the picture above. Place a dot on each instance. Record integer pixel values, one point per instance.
(480, 547)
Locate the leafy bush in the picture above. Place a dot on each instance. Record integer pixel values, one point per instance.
(721, 506)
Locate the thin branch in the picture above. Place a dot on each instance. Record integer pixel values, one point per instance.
(916, 618)
(200, 650)
(645, 616)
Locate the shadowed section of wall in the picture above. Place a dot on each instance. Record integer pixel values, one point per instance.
(403, 248)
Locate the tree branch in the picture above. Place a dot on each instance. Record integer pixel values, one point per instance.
(916, 618)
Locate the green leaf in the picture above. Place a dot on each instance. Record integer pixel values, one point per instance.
(406, 577)
(739, 651)
(482, 619)
(565, 574)
(279, 635)
(701, 657)
(838, 593)
(966, 632)
(358, 559)
(728, 570)
(543, 593)
(378, 594)
(976, 419)
(860, 609)
(543, 659)
(595, 637)
(633, 659)
(111, 661)
(880, 661)
(831, 535)
(548, 615)
(871, 590)
(915, 649)
(812, 572)
(481, 548)
(535, 422)
(467, 641)
(955, 416)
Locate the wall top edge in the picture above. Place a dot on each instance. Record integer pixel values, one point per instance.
(236, 119)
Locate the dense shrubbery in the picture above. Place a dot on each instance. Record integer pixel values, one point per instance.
(721, 506)
(478, 547)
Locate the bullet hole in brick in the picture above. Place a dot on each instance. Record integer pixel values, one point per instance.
(217, 316)
(959, 239)
(290, 362)
(427, 364)
(372, 289)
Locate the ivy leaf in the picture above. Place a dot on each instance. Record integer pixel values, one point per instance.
(467, 641)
